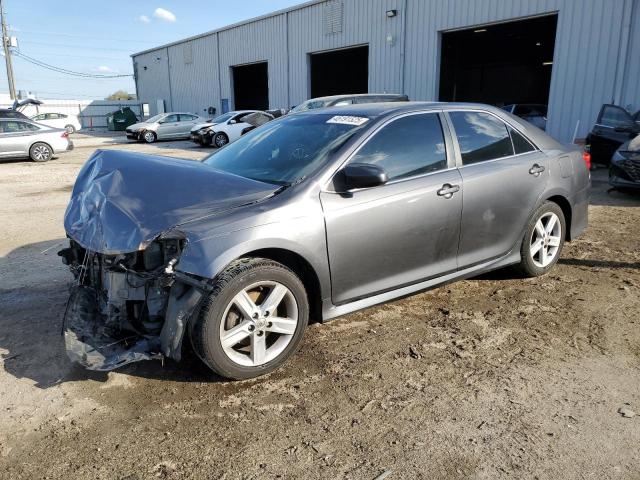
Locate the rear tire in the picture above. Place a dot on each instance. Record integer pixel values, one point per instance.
(543, 240)
(40, 152)
(70, 129)
(149, 136)
(244, 331)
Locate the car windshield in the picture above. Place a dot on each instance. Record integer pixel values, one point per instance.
(155, 118)
(286, 150)
(222, 118)
(310, 105)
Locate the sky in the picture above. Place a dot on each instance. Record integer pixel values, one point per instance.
(98, 36)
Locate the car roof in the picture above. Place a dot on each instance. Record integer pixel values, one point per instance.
(354, 95)
(383, 108)
(387, 109)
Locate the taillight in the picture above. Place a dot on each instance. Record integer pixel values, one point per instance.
(586, 156)
(65, 135)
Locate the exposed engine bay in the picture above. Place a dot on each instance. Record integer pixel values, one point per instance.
(127, 307)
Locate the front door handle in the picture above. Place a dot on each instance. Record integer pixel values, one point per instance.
(536, 170)
(448, 190)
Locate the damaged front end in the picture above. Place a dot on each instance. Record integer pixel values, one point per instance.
(128, 307)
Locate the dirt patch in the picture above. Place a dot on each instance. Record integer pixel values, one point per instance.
(495, 377)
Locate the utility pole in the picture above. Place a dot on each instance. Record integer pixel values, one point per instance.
(7, 54)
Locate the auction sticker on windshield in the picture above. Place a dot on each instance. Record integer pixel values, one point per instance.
(348, 120)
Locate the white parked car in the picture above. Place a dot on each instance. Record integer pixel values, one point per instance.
(59, 120)
(22, 138)
(164, 126)
(226, 128)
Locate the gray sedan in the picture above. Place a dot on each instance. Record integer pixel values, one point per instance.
(22, 138)
(311, 216)
(164, 126)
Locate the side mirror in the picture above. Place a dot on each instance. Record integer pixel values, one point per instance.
(362, 175)
(232, 122)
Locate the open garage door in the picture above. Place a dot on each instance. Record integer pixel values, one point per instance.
(251, 86)
(340, 72)
(499, 64)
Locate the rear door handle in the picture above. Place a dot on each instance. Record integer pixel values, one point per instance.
(536, 170)
(448, 190)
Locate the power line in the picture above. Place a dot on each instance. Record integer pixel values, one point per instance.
(64, 70)
(68, 45)
(19, 31)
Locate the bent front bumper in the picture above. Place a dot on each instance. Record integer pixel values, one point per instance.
(116, 315)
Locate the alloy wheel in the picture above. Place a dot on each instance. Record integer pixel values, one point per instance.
(41, 153)
(259, 323)
(220, 140)
(545, 240)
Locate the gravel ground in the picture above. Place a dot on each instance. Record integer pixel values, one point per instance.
(495, 377)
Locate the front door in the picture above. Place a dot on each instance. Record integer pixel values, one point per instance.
(614, 127)
(504, 176)
(169, 127)
(405, 231)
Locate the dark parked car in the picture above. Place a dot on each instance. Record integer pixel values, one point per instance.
(614, 126)
(624, 172)
(309, 217)
(10, 113)
(533, 113)
(343, 100)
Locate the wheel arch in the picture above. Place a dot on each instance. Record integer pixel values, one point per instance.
(567, 211)
(303, 269)
(53, 151)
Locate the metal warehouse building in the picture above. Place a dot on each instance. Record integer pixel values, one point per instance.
(573, 55)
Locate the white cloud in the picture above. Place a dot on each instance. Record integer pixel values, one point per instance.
(104, 69)
(165, 15)
(144, 19)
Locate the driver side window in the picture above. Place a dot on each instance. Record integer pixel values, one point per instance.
(170, 119)
(406, 147)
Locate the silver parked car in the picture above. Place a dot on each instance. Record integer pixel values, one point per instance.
(164, 126)
(22, 138)
(311, 216)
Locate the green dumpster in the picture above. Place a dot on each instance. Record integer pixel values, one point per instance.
(119, 120)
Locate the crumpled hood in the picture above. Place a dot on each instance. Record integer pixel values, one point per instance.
(138, 126)
(121, 201)
(197, 127)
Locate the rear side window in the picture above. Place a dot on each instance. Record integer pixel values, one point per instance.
(412, 145)
(520, 143)
(481, 137)
(10, 126)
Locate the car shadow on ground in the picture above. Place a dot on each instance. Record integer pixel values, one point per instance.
(31, 316)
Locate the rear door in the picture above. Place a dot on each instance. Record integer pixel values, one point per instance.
(503, 176)
(405, 231)
(187, 122)
(614, 127)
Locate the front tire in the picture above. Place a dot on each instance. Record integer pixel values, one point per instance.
(253, 320)
(40, 152)
(220, 139)
(149, 136)
(543, 240)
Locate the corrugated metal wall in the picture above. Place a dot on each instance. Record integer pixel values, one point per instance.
(404, 53)
(152, 78)
(194, 75)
